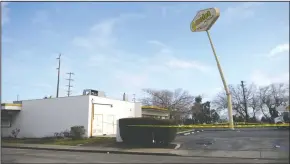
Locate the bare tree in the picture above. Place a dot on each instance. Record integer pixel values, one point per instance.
(178, 102)
(254, 104)
(265, 99)
(253, 99)
(271, 97)
(262, 94)
(220, 101)
(237, 99)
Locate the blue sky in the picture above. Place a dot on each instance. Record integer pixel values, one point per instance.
(124, 47)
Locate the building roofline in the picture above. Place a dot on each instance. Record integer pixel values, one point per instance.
(73, 96)
(154, 108)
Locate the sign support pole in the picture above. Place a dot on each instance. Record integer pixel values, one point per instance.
(224, 83)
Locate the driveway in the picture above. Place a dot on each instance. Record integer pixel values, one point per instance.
(239, 140)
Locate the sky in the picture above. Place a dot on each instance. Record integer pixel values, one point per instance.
(119, 47)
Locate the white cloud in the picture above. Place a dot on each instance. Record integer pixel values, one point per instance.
(187, 64)
(42, 85)
(6, 39)
(279, 50)
(164, 11)
(157, 43)
(99, 60)
(41, 17)
(174, 9)
(163, 49)
(242, 11)
(4, 13)
(131, 16)
(262, 79)
(100, 45)
(165, 57)
(211, 94)
(131, 79)
(101, 35)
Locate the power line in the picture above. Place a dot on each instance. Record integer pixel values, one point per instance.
(69, 83)
(245, 101)
(58, 73)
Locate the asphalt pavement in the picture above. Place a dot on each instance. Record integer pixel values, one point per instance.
(12, 155)
(251, 139)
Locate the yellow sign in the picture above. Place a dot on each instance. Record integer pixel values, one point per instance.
(204, 19)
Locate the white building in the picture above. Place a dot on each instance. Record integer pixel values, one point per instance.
(45, 117)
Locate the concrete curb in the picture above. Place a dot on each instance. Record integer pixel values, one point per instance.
(92, 151)
(188, 132)
(238, 129)
(259, 155)
(177, 146)
(220, 130)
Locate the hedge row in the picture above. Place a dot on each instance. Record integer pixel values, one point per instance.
(146, 135)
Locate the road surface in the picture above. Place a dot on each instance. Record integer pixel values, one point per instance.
(255, 139)
(44, 156)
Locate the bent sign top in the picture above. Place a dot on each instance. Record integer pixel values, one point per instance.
(204, 19)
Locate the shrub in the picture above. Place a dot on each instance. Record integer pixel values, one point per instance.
(189, 121)
(77, 132)
(15, 132)
(145, 135)
(66, 133)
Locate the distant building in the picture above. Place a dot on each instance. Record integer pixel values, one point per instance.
(283, 108)
(155, 112)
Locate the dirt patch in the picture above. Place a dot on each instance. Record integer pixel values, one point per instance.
(108, 142)
(130, 146)
(61, 141)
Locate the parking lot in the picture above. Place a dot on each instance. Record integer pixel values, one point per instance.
(257, 139)
(42, 156)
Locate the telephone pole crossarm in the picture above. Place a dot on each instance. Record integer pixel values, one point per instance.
(69, 83)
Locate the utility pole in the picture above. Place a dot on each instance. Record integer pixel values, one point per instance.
(58, 73)
(134, 98)
(245, 101)
(69, 83)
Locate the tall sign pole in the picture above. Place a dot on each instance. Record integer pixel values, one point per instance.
(203, 21)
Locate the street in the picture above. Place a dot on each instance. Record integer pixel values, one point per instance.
(43, 156)
(254, 139)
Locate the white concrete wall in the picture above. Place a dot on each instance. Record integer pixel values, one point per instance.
(106, 116)
(44, 117)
